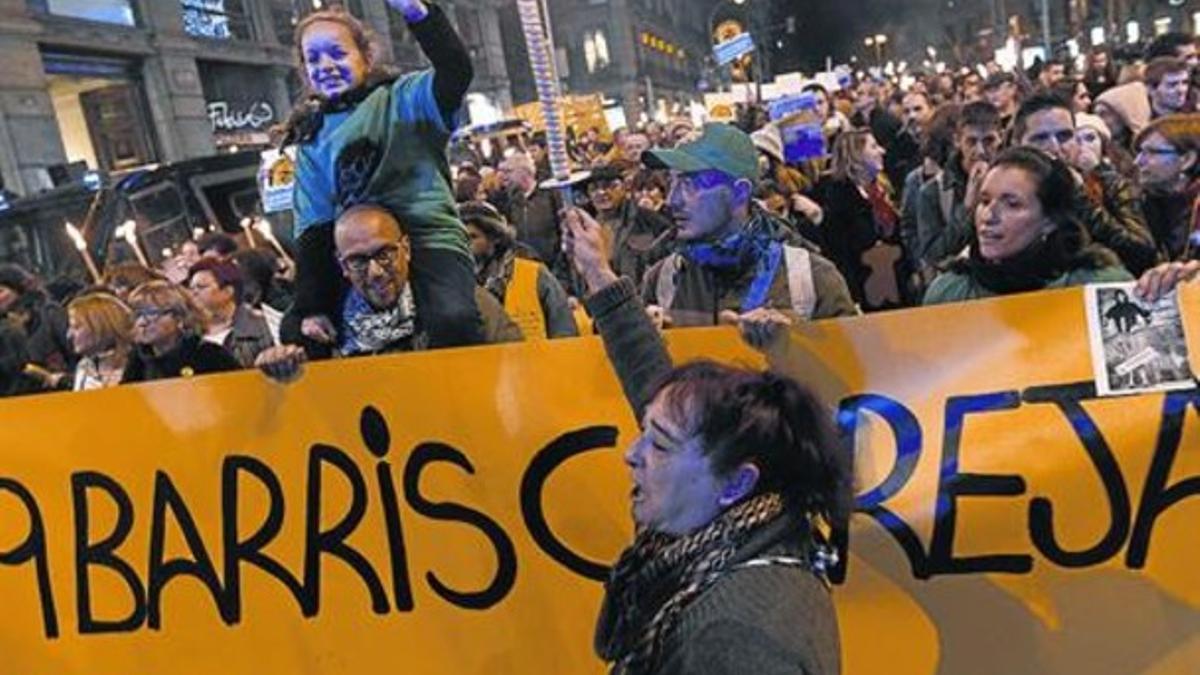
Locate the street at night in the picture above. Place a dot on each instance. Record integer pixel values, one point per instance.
(600, 336)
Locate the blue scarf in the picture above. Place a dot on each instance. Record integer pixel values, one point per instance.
(737, 252)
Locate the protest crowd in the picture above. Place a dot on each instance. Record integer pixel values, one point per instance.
(958, 187)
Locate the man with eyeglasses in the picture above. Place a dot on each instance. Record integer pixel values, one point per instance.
(1168, 163)
(945, 202)
(379, 313)
(729, 258)
(1108, 206)
(636, 234)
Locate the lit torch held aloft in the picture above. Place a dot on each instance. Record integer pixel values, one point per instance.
(128, 232)
(264, 228)
(81, 246)
(248, 227)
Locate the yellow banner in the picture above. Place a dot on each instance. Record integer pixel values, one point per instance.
(453, 512)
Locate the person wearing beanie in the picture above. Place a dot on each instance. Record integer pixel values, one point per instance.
(769, 142)
(729, 258)
(511, 272)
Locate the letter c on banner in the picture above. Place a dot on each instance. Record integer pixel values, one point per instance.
(544, 463)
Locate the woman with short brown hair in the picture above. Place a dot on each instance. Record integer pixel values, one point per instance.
(168, 329)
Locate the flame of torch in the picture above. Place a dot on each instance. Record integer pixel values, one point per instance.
(81, 246)
(248, 227)
(264, 228)
(128, 232)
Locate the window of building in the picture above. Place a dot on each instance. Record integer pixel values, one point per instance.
(595, 51)
(100, 107)
(216, 19)
(118, 12)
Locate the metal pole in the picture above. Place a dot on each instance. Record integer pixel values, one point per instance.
(650, 107)
(1046, 27)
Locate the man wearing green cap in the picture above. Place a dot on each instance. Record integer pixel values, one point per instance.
(731, 257)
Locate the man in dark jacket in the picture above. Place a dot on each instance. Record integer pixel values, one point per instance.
(944, 204)
(533, 212)
(639, 236)
(730, 257)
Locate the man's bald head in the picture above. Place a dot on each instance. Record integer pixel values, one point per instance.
(366, 220)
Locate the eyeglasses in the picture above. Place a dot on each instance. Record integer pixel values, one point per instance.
(386, 257)
(1147, 150)
(150, 313)
(603, 186)
(693, 183)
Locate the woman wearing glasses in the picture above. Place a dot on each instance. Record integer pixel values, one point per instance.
(168, 329)
(1168, 163)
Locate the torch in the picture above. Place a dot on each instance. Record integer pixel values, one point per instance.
(264, 228)
(81, 245)
(128, 232)
(248, 227)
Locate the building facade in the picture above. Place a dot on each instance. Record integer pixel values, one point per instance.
(114, 84)
(645, 55)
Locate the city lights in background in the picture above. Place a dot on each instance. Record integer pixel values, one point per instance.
(1162, 25)
(1097, 35)
(1133, 32)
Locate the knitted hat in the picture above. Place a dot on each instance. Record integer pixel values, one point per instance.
(1093, 122)
(485, 216)
(1130, 102)
(769, 141)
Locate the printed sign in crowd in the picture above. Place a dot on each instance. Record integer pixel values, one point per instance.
(456, 512)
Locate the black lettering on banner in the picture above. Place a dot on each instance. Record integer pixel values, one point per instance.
(160, 571)
(1069, 400)
(333, 541)
(1156, 496)
(953, 485)
(506, 555)
(33, 548)
(102, 554)
(378, 438)
(907, 431)
(549, 458)
(249, 550)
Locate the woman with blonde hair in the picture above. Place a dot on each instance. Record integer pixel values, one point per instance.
(858, 215)
(168, 331)
(100, 328)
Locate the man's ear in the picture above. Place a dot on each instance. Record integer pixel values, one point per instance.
(1189, 161)
(743, 190)
(739, 484)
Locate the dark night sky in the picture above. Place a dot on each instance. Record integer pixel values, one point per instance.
(837, 27)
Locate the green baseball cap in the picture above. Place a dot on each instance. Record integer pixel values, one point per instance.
(720, 146)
